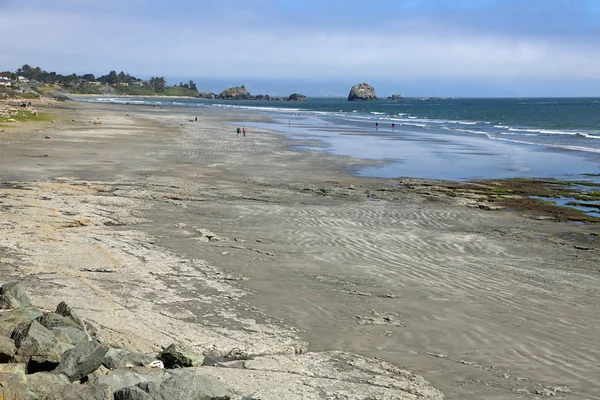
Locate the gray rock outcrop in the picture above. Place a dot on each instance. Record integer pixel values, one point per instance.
(235, 93)
(13, 295)
(81, 360)
(395, 97)
(297, 97)
(362, 92)
(178, 355)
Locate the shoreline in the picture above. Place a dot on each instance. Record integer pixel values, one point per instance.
(392, 268)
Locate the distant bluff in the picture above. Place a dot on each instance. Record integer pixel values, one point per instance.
(362, 92)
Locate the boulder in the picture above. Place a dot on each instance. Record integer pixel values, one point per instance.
(37, 347)
(187, 387)
(9, 320)
(53, 320)
(132, 393)
(7, 349)
(297, 97)
(13, 295)
(41, 384)
(117, 358)
(362, 92)
(179, 355)
(235, 93)
(124, 377)
(13, 382)
(80, 392)
(81, 360)
(70, 335)
(65, 310)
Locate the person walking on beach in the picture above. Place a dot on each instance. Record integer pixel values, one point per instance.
(239, 131)
(244, 130)
(393, 126)
(376, 126)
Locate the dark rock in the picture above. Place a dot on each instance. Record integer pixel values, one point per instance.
(235, 93)
(205, 95)
(65, 310)
(117, 358)
(81, 360)
(41, 384)
(13, 295)
(70, 335)
(13, 382)
(7, 349)
(297, 97)
(10, 319)
(82, 392)
(37, 346)
(395, 97)
(259, 97)
(132, 393)
(178, 355)
(53, 320)
(362, 92)
(187, 387)
(124, 377)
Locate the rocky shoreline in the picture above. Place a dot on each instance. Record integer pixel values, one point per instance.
(58, 356)
(291, 282)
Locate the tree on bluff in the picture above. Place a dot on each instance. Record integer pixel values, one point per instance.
(157, 84)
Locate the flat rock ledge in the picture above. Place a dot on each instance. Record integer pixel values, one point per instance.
(47, 355)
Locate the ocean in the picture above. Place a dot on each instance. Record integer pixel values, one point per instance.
(440, 138)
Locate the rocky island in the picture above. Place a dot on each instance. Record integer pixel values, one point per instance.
(297, 97)
(362, 92)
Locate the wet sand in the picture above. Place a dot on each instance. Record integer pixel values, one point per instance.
(483, 304)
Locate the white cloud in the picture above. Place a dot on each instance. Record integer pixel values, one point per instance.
(81, 43)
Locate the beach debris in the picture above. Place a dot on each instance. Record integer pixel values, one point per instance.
(53, 121)
(97, 122)
(48, 137)
(206, 236)
(72, 120)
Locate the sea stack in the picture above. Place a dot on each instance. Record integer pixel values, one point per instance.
(362, 92)
(235, 93)
(297, 97)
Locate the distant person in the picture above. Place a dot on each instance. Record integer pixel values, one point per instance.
(376, 125)
(244, 130)
(239, 131)
(196, 119)
(393, 126)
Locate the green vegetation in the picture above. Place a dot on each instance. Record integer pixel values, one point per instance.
(112, 83)
(23, 115)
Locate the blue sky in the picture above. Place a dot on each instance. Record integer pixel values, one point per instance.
(318, 47)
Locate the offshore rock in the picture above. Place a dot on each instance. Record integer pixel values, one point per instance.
(297, 97)
(395, 97)
(235, 93)
(362, 92)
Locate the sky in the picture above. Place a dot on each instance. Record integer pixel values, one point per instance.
(461, 48)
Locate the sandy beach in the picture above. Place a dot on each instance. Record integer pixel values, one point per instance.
(157, 229)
